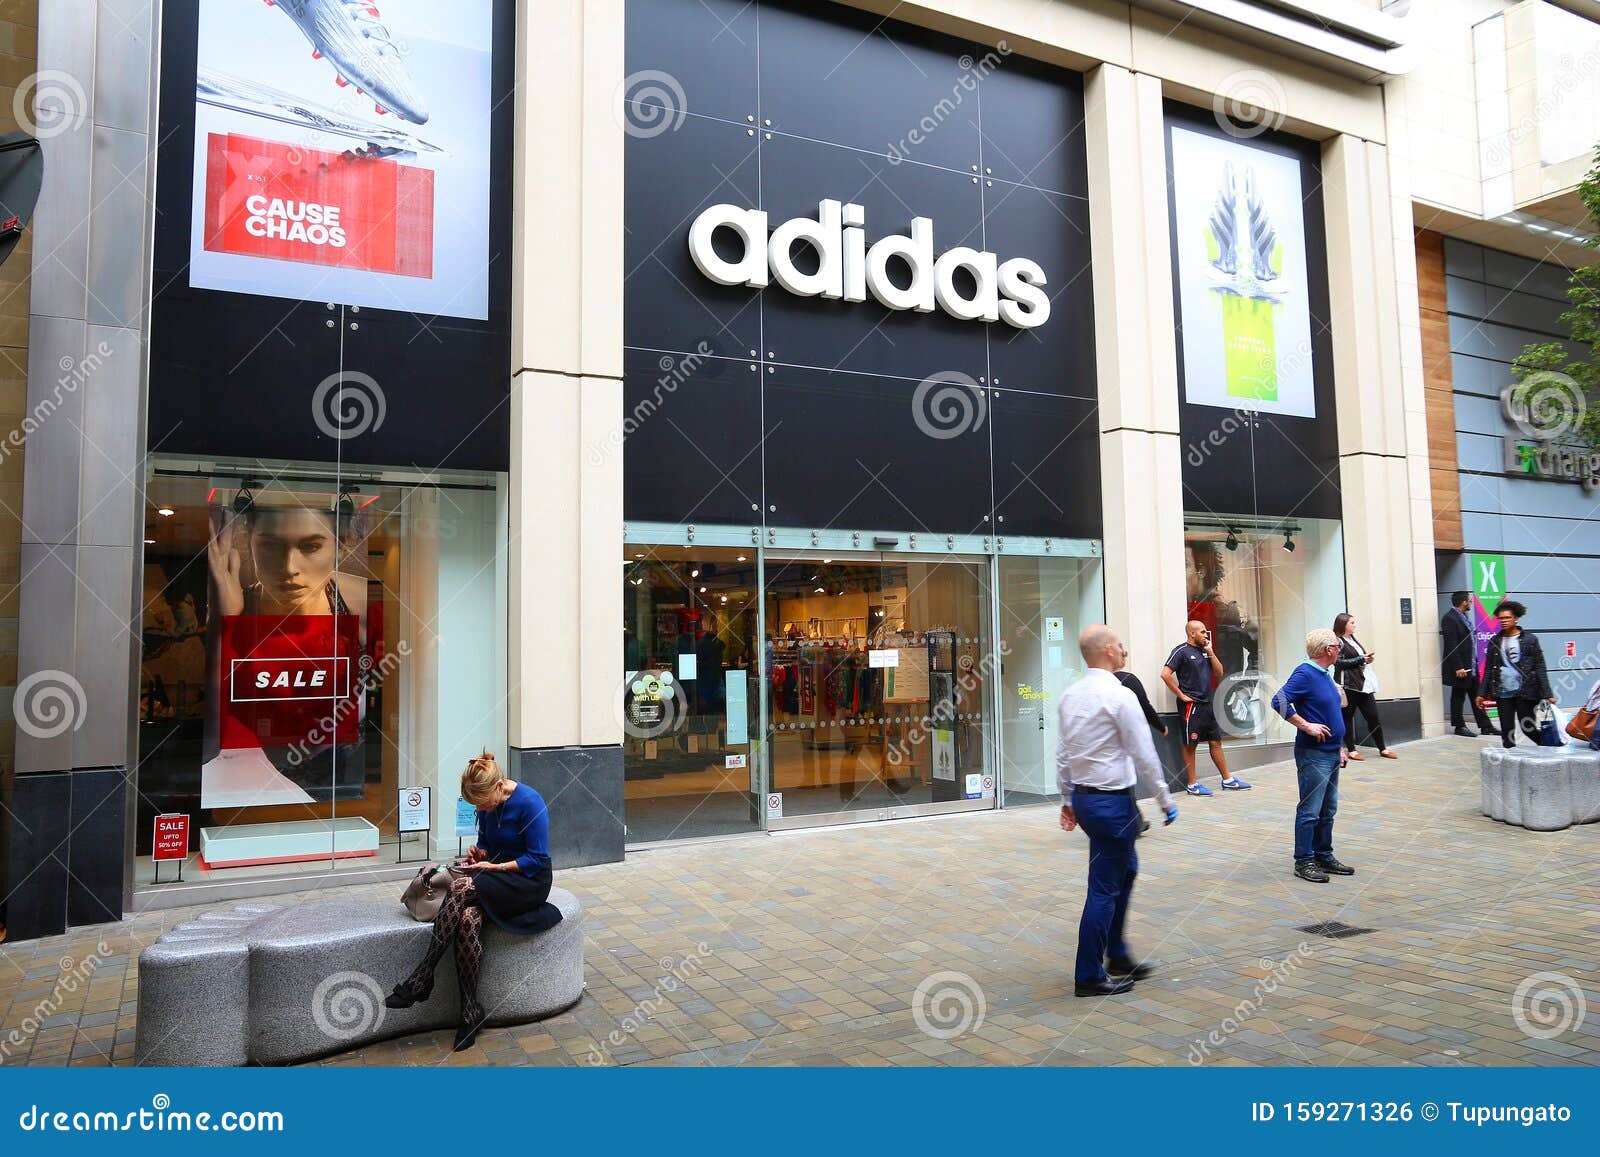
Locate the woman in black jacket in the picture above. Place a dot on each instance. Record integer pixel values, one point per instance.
(1351, 669)
(1515, 676)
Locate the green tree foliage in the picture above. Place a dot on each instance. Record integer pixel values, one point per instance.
(1542, 367)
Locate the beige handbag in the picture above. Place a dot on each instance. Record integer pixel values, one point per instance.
(427, 889)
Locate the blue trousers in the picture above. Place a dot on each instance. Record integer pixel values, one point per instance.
(1112, 823)
(1319, 802)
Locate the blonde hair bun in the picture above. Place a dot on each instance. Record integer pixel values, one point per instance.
(480, 779)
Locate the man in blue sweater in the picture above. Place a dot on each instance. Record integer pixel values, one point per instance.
(1310, 701)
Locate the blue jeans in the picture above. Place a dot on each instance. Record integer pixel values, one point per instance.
(1319, 800)
(1111, 822)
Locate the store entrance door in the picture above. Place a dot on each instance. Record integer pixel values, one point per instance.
(877, 690)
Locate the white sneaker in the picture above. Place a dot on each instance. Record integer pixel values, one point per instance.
(353, 38)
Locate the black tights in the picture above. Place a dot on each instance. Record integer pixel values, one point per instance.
(460, 922)
(1368, 706)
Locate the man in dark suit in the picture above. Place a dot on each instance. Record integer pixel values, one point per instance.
(1460, 665)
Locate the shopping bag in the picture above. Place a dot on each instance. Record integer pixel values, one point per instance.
(1550, 727)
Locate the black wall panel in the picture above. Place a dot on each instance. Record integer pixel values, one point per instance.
(1270, 466)
(836, 425)
(234, 374)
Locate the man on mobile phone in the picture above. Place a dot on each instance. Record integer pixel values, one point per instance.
(1191, 673)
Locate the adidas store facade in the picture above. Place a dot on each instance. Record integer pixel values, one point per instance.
(776, 392)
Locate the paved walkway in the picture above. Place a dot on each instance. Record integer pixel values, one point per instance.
(950, 941)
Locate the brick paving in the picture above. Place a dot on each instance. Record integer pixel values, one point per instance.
(950, 942)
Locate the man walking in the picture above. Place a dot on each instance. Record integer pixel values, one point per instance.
(1460, 666)
(1103, 750)
(1192, 670)
(1310, 701)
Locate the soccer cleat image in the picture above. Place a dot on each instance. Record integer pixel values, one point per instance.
(350, 35)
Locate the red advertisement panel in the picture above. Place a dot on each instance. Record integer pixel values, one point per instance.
(292, 203)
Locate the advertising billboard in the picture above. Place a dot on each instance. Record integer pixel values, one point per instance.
(1243, 286)
(342, 153)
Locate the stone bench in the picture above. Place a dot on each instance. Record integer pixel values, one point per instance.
(271, 985)
(1543, 789)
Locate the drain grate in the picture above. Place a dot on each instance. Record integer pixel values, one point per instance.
(1334, 930)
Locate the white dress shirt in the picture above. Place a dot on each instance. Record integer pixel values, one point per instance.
(1104, 741)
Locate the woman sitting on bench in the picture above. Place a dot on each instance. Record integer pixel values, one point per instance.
(508, 881)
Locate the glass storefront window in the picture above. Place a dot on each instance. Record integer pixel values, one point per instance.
(877, 677)
(1260, 587)
(690, 633)
(1045, 603)
(294, 682)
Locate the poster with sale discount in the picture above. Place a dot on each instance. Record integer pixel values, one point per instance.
(342, 152)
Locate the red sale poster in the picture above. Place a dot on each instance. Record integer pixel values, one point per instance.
(270, 199)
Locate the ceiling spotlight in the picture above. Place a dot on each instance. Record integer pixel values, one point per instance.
(724, 598)
(244, 498)
(1288, 540)
(165, 511)
(741, 558)
(149, 542)
(702, 590)
(1233, 539)
(695, 573)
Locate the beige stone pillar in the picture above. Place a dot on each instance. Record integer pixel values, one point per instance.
(1137, 365)
(1388, 524)
(566, 415)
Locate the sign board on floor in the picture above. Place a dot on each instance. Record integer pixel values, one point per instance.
(171, 839)
(415, 812)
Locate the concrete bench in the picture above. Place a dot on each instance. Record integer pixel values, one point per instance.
(271, 985)
(1543, 789)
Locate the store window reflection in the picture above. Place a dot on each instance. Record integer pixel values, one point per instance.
(689, 701)
(293, 678)
(1259, 586)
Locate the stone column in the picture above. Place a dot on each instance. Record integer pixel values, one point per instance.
(1388, 526)
(82, 530)
(566, 464)
(1135, 348)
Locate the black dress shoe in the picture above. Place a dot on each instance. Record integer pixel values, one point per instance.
(1335, 868)
(408, 992)
(1466, 733)
(1106, 987)
(1128, 970)
(1489, 731)
(467, 1031)
(1308, 870)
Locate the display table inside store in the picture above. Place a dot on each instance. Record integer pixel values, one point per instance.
(298, 841)
(1543, 789)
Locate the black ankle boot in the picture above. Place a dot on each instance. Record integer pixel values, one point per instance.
(472, 1019)
(409, 991)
